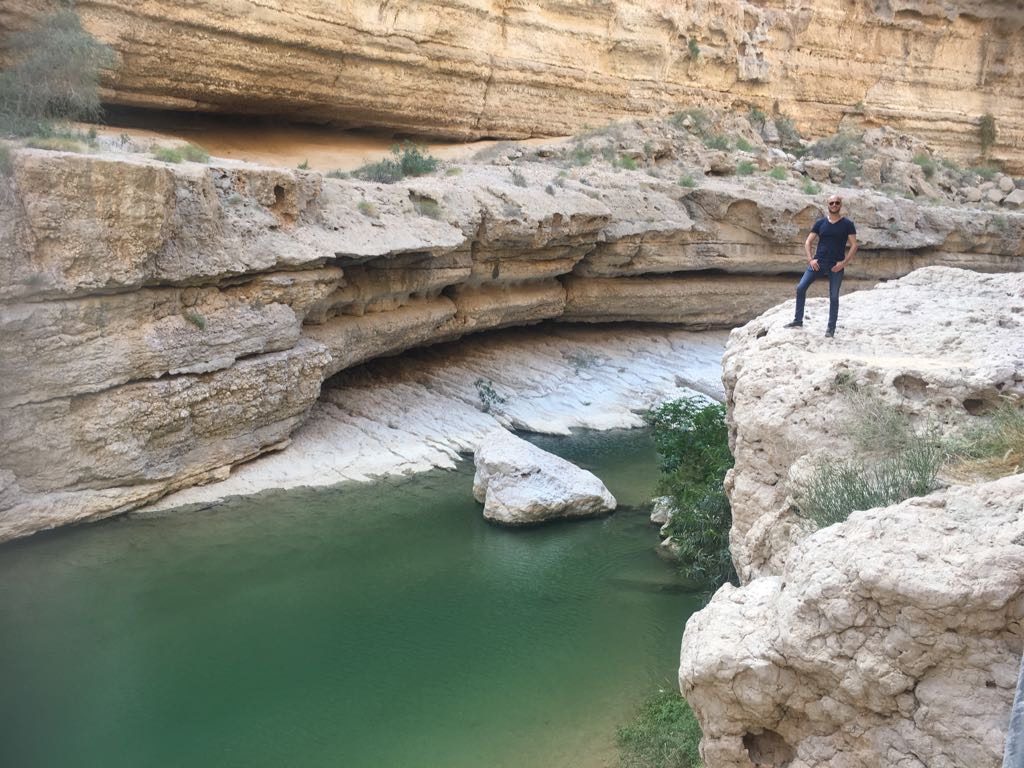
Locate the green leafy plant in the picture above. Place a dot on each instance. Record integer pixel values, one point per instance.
(54, 77)
(743, 145)
(168, 154)
(994, 445)
(693, 444)
(626, 162)
(196, 319)
(987, 132)
(580, 155)
(779, 172)
(693, 47)
(304, 165)
(926, 164)
(407, 159)
(789, 136)
(745, 168)
(810, 188)
(716, 141)
(756, 117)
(687, 181)
(489, 397)
(664, 733)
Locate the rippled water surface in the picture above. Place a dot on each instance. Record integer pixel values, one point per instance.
(375, 626)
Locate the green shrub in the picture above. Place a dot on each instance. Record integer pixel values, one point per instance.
(756, 117)
(580, 155)
(837, 489)
(195, 154)
(663, 734)
(55, 75)
(693, 48)
(743, 145)
(168, 154)
(693, 443)
(697, 116)
(426, 207)
(994, 446)
(838, 145)
(407, 159)
(789, 136)
(987, 132)
(626, 162)
(337, 173)
(368, 209)
(453, 171)
(894, 463)
(927, 165)
(779, 172)
(810, 188)
(716, 141)
(687, 181)
(985, 172)
(196, 319)
(745, 168)
(304, 165)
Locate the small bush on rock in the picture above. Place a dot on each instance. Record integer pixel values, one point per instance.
(406, 159)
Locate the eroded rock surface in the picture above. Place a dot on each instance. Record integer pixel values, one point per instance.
(521, 484)
(136, 280)
(894, 638)
(551, 67)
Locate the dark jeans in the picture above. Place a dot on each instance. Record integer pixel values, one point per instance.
(835, 279)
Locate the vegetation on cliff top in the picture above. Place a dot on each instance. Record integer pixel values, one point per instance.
(54, 77)
(664, 734)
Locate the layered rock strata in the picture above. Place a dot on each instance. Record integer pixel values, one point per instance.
(471, 70)
(893, 638)
(237, 290)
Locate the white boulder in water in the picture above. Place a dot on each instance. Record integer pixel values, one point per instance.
(521, 484)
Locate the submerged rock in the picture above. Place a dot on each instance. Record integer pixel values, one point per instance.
(521, 484)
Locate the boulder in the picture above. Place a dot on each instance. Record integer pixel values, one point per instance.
(521, 484)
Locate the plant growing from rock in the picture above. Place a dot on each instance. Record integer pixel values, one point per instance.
(987, 132)
(196, 319)
(779, 172)
(926, 164)
(693, 444)
(55, 76)
(687, 181)
(693, 47)
(489, 397)
(427, 207)
(745, 168)
(407, 159)
(810, 188)
(368, 209)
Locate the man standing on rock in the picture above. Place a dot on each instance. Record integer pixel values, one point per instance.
(833, 233)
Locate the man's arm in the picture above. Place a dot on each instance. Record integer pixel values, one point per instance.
(852, 244)
(809, 251)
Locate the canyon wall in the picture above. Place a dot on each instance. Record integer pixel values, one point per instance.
(162, 323)
(893, 638)
(479, 68)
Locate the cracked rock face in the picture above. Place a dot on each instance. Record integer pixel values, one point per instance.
(890, 640)
(894, 638)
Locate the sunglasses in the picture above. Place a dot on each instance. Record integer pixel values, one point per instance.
(835, 202)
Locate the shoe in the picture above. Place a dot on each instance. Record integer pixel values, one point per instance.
(793, 324)
(829, 333)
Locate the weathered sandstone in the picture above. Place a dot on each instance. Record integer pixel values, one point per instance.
(469, 69)
(135, 276)
(521, 484)
(894, 638)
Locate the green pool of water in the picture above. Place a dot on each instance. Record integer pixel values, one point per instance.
(364, 625)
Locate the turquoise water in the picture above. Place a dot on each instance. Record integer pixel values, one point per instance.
(364, 625)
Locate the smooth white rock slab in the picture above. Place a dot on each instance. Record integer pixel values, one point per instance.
(424, 409)
(521, 484)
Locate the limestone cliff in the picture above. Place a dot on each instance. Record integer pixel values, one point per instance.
(894, 638)
(161, 323)
(466, 68)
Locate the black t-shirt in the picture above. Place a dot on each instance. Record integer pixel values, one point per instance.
(832, 239)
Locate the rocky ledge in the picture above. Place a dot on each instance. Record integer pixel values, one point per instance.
(161, 324)
(894, 638)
